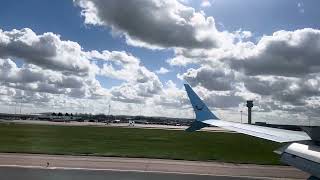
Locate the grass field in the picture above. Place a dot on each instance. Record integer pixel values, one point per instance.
(133, 142)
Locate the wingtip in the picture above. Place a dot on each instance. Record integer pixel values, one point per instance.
(187, 86)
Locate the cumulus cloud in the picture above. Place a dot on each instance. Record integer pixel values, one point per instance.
(36, 79)
(155, 23)
(218, 79)
(136, 92)
(295, 91)
(162, 70)
(180, 61)
(280, 68)
(139, 82)
(279, 71)
(285, 53)
(59, 73)
(123, 66)
(46, 50)
(172, 97)
(54, 66)
(126, 67)
(50, 65)
(224, 101)
(205, 3)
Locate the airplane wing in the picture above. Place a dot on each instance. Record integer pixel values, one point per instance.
(273, 134)
(205, 117)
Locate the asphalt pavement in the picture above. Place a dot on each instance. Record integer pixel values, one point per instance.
(15, 166)
(14, 173)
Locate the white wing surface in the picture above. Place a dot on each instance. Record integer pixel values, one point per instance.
(273, 134)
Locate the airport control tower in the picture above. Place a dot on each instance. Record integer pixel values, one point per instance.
(249, 105)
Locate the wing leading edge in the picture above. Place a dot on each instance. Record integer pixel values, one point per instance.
(205, 117)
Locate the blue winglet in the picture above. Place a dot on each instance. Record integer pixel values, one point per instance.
(196, 125)
(199, 107)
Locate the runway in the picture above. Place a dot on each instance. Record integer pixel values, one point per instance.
(135, 168)
(59, 174)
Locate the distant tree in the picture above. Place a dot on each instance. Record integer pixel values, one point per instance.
(67, 114)
(60, 114)
(53, 114)
(71, 114)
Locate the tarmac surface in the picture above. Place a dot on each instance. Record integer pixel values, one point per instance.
(124, 125)
(36, 166)
(61, 174)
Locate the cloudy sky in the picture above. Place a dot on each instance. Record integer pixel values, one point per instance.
(82, 55)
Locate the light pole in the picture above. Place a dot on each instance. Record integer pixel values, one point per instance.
(20, 105)
(241, 116)
(15, 108)
(109, 112)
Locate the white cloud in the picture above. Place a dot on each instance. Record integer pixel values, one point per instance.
(205, 3)
(126, 67)
(218, 79)
(46, 50)
(279, 71)
(60, 73)
(165, 23)
(224, 63)
(162, 70)
(172, 97)
(300, 6)
(35, 79)
(285, 53)
(179, 61)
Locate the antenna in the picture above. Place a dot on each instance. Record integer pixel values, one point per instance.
(309, 122)
(20, 104)
(108, 115)
(109, 109)
(15, 108)
(241, 115)
(83, 109)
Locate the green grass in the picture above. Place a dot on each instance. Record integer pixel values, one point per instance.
(133, 142)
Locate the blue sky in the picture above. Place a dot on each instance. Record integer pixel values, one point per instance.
(212, 44)
(63, 18)
(265, 17)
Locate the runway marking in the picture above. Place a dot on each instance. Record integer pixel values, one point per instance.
(138, 171)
